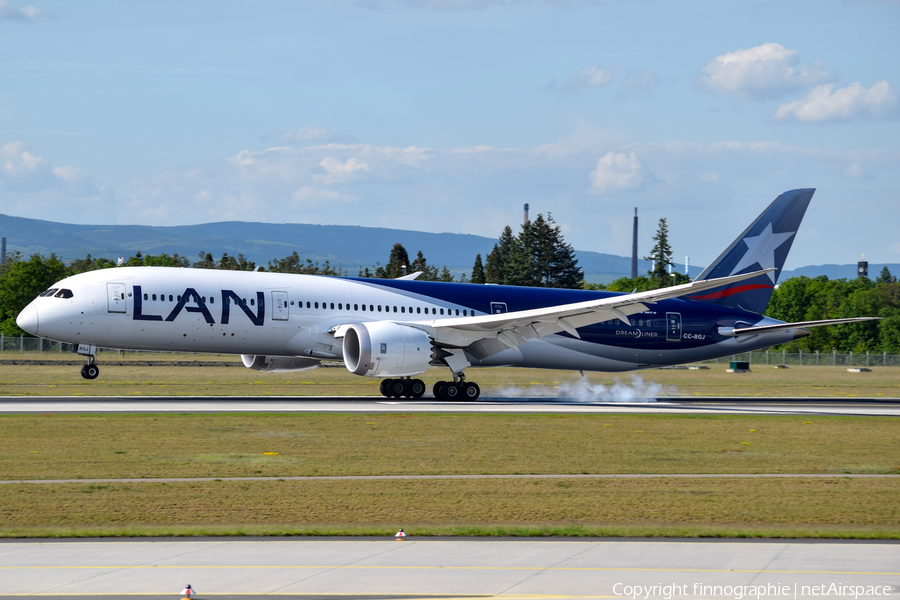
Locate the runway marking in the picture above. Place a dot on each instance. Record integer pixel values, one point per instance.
(400, 567)
(480, 476)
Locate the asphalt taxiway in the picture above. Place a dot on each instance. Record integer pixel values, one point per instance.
(451, 568)
(372, 404)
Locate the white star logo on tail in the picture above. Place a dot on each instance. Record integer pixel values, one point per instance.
(761, 249)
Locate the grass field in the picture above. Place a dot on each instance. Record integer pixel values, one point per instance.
(287, 445)
(281, 445)
(135, 379)
(665, 507)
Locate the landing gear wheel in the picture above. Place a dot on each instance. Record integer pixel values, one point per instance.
(416, 388)
(450, 391)
(384, 387)
(470, 391)
(90, 371)
(438, 390)
(396, 388)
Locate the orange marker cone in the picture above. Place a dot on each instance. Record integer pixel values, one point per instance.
(187, 592)
(399, 535)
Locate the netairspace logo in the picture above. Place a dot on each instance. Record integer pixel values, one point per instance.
(635, 390)
(739, 592)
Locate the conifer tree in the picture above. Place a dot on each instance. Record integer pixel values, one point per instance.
(661, 255)
(478, 275)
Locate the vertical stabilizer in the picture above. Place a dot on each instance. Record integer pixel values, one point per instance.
(763, 245)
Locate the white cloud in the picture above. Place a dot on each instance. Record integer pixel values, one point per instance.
(23, 171)
(592, 77)
(761, 73)
(824, 103)
(340, 171)
(616, 171)
(8, 12)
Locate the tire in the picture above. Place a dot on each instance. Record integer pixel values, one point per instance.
(438, 390)
(451, 391)
(91, 372)
(384, 387)
(470, 391)
(84, 372)
(397, 388)
(416, 388)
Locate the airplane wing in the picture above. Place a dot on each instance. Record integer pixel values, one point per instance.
(739, 331)
(486, 335)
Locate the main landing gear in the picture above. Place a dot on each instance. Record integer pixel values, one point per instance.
(458, 389)
(90, 370)
(403, 388)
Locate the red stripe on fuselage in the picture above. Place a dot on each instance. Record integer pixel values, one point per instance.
(732, 291)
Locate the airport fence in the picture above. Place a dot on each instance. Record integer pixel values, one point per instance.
(831, 359)
(13, 344)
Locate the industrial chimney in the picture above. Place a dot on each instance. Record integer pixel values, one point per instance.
(634, 247)
(526, 213)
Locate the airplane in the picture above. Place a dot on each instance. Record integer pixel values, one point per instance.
(396, 329)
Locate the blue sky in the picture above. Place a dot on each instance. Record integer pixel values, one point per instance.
(448, 115)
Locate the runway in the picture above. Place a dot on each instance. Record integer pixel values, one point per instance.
(373, 404)
(507, 569)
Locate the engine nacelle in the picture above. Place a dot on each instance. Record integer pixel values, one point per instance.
(278, 364)
(380, 349)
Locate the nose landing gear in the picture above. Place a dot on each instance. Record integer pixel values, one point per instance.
(90, 370)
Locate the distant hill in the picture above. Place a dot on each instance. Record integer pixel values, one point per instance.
(839, 271)
(347, 246)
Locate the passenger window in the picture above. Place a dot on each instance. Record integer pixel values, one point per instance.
(317, 305)
(252, 301)
(153, 297)
(403, 309)
(309, 306)
(340, 306)
(371, 308)
(146, 297)
(243, 302)
(212, 299)
(442, 311)
(179, 297)
(418, 310)
(379, 308)
(434, 310)
(364, 308)
(395, 309)
(204, 299)
(465, 313)
(457, 312)
(356, 307)
(332, 306)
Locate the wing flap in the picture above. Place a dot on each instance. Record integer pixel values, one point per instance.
(739, 331)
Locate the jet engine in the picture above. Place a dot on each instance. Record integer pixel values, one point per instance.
(278, 364)
(380, 349)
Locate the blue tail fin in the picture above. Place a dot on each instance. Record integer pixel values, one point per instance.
(763, 245)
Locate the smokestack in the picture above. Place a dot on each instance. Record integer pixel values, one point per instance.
(3, 252)
(526, 213)
(687, 266)
(634, 247)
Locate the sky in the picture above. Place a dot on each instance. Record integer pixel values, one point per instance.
(449, 115)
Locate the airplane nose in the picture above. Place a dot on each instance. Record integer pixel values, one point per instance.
(28, 320)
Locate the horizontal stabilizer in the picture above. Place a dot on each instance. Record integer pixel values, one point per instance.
(735, 332)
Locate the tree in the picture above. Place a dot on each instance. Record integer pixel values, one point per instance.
(661, 255)
(885, 276)
(21, 282)
(538, 257)
(397, 264)
(294, 264)
(206, 261)
(477, 270)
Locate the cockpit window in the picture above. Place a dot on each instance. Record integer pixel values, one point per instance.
(64, 293)
(49, 292)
